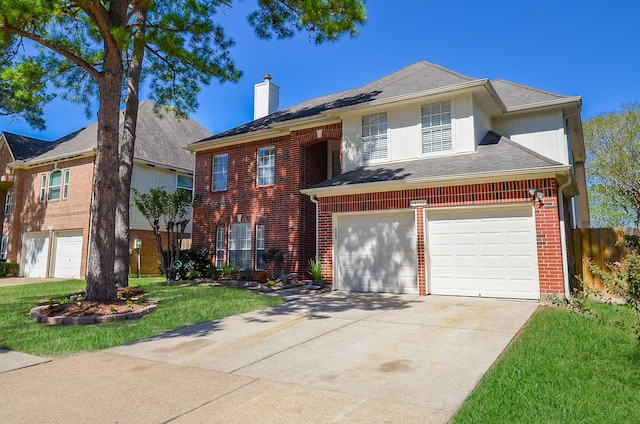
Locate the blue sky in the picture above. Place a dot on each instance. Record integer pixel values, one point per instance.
(582, 48)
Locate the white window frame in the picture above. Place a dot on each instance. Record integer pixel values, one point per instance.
(53, 189)
(8, 203)
(220, 233)
(220, 172)
(65, 183)
(43, 187)
(266, 166)
(239, 241)
(375, 137)
(437, 132)
(187, 188)
(259, 246)
(4, 247)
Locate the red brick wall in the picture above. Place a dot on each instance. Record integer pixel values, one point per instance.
(30, 214)
(289, 216)
(546, 218)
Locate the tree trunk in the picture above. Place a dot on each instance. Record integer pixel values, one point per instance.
(100, 282)
(127, 146)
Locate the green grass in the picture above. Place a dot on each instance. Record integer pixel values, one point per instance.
(565, 367)
(179, 306)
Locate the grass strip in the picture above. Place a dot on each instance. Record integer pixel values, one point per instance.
(180, 305)
(564, 367)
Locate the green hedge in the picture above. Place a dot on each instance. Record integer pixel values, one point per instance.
(8, 268)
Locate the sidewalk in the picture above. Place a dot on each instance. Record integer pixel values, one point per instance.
(18, 281)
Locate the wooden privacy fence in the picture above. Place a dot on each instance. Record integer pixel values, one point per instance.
(602, 246)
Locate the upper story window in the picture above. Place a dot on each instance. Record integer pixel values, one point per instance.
(374, 136)
(266, 166)
(220, 172)
(8, 203)
(54, 185)
(436, 127)
(185, 182)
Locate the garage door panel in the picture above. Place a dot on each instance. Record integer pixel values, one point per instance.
(36, 254)
(491, 252)
(67, 255)
(377, 253)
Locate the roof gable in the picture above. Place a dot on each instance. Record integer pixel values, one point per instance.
(421, 76)
(516, 96)
(160, 139)
(24, 148)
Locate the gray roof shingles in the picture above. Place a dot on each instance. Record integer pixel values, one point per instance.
(160, 139)
(495, 154)
(420, 76)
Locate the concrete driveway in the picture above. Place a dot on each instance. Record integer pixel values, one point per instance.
(335, 358)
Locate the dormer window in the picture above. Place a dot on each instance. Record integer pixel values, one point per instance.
(374, 137)
(436, 127)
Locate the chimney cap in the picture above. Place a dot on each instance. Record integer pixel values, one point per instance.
(267, 77)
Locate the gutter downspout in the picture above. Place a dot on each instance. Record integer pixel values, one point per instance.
(314, 199)
(563, 237)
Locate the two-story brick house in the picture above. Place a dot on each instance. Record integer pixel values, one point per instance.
(424, 181)
(47, 189)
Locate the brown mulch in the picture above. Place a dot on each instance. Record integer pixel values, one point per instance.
(130, 299)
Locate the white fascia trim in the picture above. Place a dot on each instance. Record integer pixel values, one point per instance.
(449, 180)
(548, 103)
(176, 169)
(68, 156)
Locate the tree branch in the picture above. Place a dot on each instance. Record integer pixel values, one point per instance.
(95, 74)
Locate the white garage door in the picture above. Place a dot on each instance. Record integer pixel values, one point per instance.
(490, 252)
(377, 253)
(36, 252)
(67, 255)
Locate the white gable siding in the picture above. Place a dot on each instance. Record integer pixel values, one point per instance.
(405, 132)
(481, 122)
(143, 179)
(542, 132)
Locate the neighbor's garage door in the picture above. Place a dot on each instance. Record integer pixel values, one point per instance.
(67, 249)
(488, 252)
(377, 253)
(36, 252)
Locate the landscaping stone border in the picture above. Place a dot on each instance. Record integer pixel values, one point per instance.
(90, 319)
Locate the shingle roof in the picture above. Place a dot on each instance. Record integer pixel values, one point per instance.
(414, 78)
(420, 76)
(515, 95)
(160, 139)
(495, 154)
(23, 147)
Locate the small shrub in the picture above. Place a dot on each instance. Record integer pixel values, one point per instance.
(283, 278)
(271, 283)
(245, 273)
(263, 276)
(229, 271)
(195, 264)
(7, 268)
(315, 270)
(213, 272)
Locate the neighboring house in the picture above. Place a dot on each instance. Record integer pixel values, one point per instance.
(424, 181)
(47, 191)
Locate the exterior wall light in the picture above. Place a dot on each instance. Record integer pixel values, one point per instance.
(536, 195)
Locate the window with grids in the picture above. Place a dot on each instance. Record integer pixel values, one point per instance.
(65, 190)
(55, 183)
(266, 166)
(4, 247)
(185, 182)
(220, 172)
(220, 246)
(240, 245)
(374, 136)
(8, 203)
(436, 127)
(259, 246)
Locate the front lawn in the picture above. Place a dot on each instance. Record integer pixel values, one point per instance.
(565, 367)
(179, 306)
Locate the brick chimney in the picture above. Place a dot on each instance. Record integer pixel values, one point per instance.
(266, 98)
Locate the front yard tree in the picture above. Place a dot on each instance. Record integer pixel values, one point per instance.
(172, 211)
(612, 141)
(88, 49)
